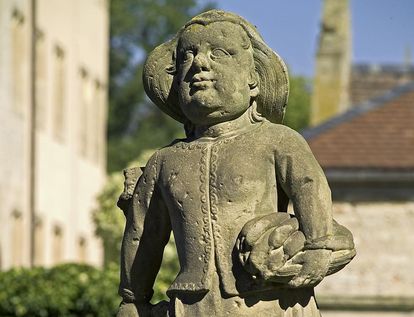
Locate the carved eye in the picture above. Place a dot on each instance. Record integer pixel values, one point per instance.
(219, 53)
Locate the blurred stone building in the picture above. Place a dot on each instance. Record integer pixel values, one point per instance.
(53, 77)
(367, 155)
(363, 137)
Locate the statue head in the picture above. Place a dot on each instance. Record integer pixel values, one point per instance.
(215, 68)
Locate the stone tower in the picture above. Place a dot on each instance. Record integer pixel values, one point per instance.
(333, 62)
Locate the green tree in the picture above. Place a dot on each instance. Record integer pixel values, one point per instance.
(298, 110)
(109, 221)
(136, 27)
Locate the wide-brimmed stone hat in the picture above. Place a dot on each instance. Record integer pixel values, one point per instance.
(273, 82)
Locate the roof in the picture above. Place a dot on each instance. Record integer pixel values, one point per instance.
(382, 68)
(372, 80)
(375, 135)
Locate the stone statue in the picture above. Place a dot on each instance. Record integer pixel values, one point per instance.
(224, 190)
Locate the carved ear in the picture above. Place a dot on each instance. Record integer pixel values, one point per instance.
(253, 84)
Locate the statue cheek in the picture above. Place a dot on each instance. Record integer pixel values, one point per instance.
(224, 83)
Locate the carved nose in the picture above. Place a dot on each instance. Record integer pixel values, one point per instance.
(201, 62)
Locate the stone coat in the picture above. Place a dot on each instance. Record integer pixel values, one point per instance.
(205, 190)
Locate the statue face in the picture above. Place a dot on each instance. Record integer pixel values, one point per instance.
(214, 68)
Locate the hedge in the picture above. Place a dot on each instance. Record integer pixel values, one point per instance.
(65, 291)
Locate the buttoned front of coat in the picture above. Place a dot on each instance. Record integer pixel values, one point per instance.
(205, 190)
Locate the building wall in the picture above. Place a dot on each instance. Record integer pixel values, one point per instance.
(72, 67)
(369, 81)
(383, 265)
(14, 169)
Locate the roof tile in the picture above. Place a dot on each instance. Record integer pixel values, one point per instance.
(380, 138)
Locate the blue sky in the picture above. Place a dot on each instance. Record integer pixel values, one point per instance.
(382, 29)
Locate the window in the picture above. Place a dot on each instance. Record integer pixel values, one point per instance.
(59, 102)
(101, 124)
(82, 250)
(19, 58)
(84, 119)
(41, 80)
(39, 251)
(97, 118)
(57, 247)
(17, 238)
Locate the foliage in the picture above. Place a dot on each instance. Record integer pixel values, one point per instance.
(298, 110)
(136, 27)
(109, 220)
(156, 131)
(69, 290)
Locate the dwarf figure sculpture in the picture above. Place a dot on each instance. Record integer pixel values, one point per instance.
(224, 190)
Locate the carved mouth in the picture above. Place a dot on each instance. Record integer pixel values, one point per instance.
(201, 82)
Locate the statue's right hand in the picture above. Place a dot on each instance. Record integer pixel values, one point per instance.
(132, 310)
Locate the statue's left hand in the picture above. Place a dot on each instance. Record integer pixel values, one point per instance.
(315, 265)
(273, 248)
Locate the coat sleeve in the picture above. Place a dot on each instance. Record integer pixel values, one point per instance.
(303, 180)
(147, 231)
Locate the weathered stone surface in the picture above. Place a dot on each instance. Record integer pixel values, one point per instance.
(222, 190)
(384, 239)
